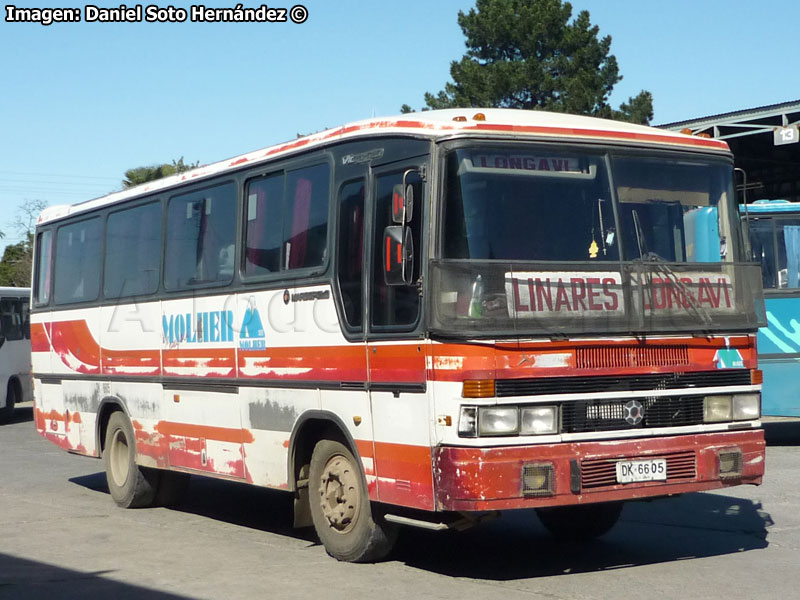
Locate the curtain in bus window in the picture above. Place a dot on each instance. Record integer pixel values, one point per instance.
(791, 236)
(306, 235)
(77, 268)
(296, 247)
(264, 225)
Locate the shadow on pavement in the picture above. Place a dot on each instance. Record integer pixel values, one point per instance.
(230, 502)
(666, 530)
(22, 579)
(516, 545)
(782, 433)
(22, 413)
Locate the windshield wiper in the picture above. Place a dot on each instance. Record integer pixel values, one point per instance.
(662, 268)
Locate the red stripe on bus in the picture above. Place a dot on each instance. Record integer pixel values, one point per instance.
(219, 434)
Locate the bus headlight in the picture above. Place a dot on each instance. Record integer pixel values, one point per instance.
(746, 407)
(498, 420)
(717, 409)
(538, 420)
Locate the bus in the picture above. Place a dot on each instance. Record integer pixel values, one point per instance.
(16, 381)
(774, 231)
(421, 320)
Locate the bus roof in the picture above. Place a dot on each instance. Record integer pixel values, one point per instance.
(15, 291)
(763, 207)
(438, 124)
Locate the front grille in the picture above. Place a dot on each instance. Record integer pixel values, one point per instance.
(614, 383)
(584, 416)
(602, 472)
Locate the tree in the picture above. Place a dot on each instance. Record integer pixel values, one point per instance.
(528, 54)
(15, 266)
(140, 175)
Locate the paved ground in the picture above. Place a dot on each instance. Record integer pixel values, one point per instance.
(62, 537)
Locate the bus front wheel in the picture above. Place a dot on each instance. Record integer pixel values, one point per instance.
(130, 486)
(580, 523)
(340, 507)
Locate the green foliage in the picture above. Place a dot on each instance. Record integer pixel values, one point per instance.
(15, 266)
(528, 54)
(140, 175)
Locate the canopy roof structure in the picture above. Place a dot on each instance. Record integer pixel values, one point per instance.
(765, 142)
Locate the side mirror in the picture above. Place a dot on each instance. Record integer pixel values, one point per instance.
(398, 255)
(402, 203)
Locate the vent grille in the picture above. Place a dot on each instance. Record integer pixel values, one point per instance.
(614, 383)
(584, 416)
(598, 473)
(618, 357)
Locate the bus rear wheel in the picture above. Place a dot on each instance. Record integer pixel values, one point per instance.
(340, 507)
(580, 523)
(130, 485)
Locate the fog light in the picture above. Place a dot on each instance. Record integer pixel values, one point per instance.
(717, 409)
(746, 407)
(730, 464)
(538, 480)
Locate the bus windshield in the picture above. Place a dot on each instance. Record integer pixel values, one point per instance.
(542, 240)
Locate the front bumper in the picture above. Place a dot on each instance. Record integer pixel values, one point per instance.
(479, 479)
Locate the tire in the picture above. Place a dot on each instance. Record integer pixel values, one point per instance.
(340, 507)
(12, 394)
(130, 485)
(580, 523)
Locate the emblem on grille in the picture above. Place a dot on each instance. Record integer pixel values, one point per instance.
(633, 412)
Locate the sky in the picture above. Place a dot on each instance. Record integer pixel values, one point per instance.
(80, 103)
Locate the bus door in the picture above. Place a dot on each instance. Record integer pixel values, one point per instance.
(396, 351)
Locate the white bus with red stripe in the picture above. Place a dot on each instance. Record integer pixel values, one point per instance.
(16, 383)
(412, 320)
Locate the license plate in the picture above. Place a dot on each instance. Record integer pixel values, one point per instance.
(631, 471)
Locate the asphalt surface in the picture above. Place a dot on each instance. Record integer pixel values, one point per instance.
(61, 536)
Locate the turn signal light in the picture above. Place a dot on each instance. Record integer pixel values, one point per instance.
(478, 388)
(756, 376)
(479, 117)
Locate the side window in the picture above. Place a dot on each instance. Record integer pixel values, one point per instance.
(11, 318)
(350, 248)
(287, 221)
(305, 228)
(393, 307)
(264, 198)
(44, 276)
(133, 251)
(201, 230)
(26, 318)
(77, 268)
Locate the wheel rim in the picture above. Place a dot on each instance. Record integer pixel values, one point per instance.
(118, 458)
(340, 494)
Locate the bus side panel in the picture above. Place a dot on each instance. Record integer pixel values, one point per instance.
(779, 357)
(75, 339)
(402, 421)
(130, 338)
(779, 392)
(269, 415)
